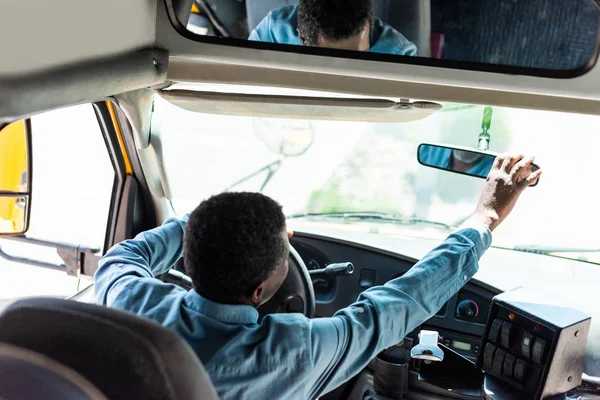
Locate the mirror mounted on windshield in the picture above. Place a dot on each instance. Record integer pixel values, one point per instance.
(460, 160)
(15, 178)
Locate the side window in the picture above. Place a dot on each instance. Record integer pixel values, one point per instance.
(72, 182)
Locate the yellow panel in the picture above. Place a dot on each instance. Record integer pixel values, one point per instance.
(13, 158)
(12, 214)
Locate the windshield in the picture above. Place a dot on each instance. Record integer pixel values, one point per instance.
(367, 168)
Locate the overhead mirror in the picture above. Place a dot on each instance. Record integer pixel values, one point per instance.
(554, 38)
(460, 160)
(15, 178)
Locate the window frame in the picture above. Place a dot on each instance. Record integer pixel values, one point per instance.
(129, 186)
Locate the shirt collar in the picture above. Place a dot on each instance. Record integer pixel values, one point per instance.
(228, 313)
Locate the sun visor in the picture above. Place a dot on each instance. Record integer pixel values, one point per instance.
(302, 107)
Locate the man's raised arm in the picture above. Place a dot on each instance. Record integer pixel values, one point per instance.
(149, 254)
(344, 344)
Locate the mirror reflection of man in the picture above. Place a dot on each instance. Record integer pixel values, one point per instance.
(468, 162)
(339, 24)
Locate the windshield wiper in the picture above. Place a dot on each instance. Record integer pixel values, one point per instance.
(372, 216)
(272, 169)
(537, 249)
(555, 252)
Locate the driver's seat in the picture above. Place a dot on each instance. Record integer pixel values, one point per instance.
(122, 355)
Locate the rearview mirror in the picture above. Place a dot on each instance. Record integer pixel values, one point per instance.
(460, 160)
(547, 38)
(15, 178)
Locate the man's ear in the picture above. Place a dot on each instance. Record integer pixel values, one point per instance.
(257, 295)
(302, 40)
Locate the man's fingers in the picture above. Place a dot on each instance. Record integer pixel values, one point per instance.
(535, 177)
(531, 179)
(500, 160)
(521, 169)
(510, 161)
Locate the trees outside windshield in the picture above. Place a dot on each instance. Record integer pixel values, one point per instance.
(352, 166)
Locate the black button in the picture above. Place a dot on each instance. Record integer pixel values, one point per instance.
(505, 334)
(488, 356)
(526, 344)
(498, 361)
(495, 330)
(509, 365)
(367, 278)
(520, 370)
(537, 351)
(476, 349)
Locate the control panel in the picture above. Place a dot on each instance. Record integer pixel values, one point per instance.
(534, 347)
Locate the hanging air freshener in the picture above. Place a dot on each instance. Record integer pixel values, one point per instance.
(483, 142)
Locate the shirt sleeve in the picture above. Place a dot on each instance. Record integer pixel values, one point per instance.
(344, 344)
(409, 50)
(149, 254)
(390, 41)
(262, 32)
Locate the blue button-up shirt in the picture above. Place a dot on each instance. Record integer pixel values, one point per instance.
(285, 356)
(281, 26)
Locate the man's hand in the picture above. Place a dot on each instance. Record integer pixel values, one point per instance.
(509, 177)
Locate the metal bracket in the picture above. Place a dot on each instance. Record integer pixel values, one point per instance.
(78, 260)
(29, 261)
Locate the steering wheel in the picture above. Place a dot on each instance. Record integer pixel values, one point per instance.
(296, 294)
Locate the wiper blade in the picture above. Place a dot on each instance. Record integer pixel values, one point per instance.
(272, 169)
(577, 254)
(537, 249)
(372, 216)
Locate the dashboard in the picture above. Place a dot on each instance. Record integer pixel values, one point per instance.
(461, 322)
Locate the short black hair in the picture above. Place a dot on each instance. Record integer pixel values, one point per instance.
(334, 19)
(232, 243)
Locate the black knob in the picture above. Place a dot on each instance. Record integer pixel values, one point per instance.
(345, 268)
(467, 309)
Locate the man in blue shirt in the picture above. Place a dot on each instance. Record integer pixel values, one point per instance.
(347, 25)
(236, 249)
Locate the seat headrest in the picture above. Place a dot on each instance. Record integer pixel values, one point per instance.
(25, 375)
(123, 355)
